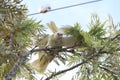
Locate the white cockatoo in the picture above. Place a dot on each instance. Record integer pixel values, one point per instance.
(45, 9)
(45, 57)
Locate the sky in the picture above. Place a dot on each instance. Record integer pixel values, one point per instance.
(70, 16)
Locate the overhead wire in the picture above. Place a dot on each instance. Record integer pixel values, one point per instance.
(67, 7)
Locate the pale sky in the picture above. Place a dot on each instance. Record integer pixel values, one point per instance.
(70, 16)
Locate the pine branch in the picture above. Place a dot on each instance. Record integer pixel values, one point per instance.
(75, 66)
(24, 57)
(17, 65)
(108, 70)
(118, 35)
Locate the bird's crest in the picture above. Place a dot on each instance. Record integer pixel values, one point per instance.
(52, 27)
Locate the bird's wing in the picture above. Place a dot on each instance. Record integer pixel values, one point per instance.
(52, 27)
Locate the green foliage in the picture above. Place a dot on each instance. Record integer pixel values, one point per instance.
(16, 36)
(106, 65)
(97, 28)
(75, 31)
(12, 8)
(27, 30)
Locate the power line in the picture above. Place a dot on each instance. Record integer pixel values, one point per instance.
(67, 7)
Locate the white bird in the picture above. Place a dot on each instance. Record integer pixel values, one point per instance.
(45, 9)
(45, 57)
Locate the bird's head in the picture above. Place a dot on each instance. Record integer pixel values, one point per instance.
(58, 35)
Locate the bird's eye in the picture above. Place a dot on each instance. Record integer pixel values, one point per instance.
(59, 34)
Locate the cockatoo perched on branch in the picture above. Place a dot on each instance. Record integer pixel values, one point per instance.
(45, 9)
(45, 57)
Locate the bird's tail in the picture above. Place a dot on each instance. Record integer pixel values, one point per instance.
(42, 62)
(52, 26)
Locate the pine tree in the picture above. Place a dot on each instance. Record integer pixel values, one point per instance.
(16, 34)
(95, 53)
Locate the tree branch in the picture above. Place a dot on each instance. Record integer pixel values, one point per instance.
(75, 66)
(16, 66)
(23, 58)
(11, 39)
(112, 38)
(108, 70)
(115, 37)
